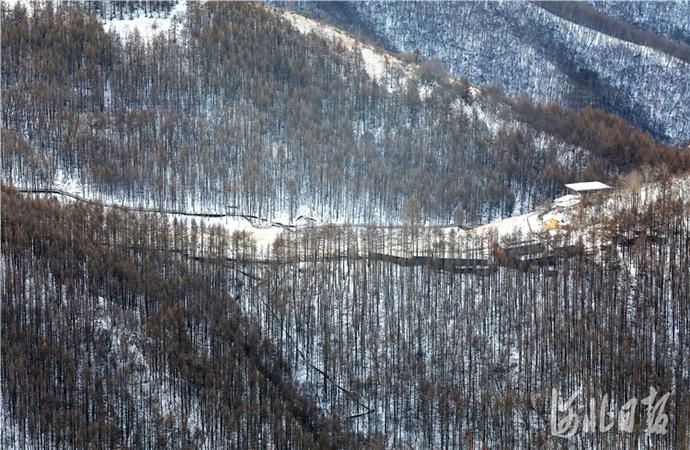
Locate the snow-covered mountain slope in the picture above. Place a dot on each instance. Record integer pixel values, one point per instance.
(151, 350)
(530, 50)
(381, 66)
(290, 117)
(403, 122)
(669, 19)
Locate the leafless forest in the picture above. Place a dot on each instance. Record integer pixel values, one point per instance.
(124, 328)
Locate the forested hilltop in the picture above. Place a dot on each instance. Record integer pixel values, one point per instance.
(237, 108)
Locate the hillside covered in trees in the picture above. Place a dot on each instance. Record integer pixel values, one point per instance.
(162, 286)
(127, 330)
(247, 113)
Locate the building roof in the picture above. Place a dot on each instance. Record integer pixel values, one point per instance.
(587, 186)
(566, 201)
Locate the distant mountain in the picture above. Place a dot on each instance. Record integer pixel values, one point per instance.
(632, 59)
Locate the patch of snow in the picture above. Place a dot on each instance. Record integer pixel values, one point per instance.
(11, 4)
(566, 201)
(147, 27)
(524, 224)
(473, 111)
(68, 183)
(376, 63)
